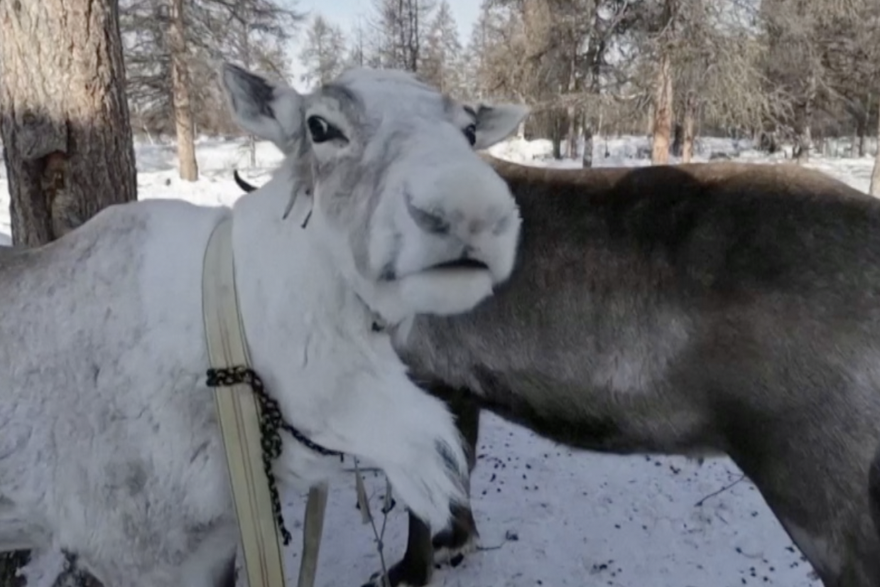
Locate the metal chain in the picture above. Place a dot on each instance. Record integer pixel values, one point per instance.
(271, 421)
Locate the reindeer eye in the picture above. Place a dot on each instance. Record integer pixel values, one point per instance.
(322, 131)
(471, 133)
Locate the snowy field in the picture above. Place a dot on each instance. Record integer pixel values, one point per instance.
(548, 516)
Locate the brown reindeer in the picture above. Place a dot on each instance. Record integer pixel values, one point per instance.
(699, 309)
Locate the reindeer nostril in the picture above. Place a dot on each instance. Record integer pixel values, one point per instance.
(427, 221)
(502, 225)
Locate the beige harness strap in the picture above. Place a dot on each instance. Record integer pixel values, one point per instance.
(313, 527)
(238, 413)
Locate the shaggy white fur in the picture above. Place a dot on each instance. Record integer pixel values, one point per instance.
(109, 444)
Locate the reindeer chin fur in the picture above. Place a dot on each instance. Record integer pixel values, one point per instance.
(445, 292)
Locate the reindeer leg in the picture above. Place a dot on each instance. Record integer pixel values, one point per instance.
(450, 544)
(836, 528)
(417, 565)
(461, 537)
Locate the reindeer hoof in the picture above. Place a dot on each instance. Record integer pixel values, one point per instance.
(450, 547)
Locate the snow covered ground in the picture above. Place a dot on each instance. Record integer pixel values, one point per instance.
(549, 516)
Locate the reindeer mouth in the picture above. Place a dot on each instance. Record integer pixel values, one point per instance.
(462, 263)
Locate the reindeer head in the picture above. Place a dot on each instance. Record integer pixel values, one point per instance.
(417, 221)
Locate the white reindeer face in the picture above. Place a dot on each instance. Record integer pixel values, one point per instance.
(416, 217)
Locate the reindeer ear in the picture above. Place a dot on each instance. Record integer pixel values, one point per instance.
(270, 111)
(496, 123)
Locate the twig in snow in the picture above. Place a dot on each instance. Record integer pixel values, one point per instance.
(720, 491)
(509, 536)
(496, 547)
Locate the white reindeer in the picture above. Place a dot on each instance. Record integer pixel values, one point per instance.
(109, 444)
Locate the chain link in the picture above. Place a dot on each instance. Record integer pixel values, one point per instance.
(271, 422)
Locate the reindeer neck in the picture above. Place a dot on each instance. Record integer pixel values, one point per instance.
(585, 245)
(290, 285)
(284, 274)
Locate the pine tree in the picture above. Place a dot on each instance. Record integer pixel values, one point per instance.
(442, 61)
(324, 53)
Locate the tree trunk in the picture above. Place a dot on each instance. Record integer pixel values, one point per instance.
(556, 133)
(677, 140)
(690, 107)
(246, 63)
(64, 119)
(571, 111)
(662, 127)
(183, 118)
(587, 155)
(862, 131)
(862, 126)
(803, 142)
(572, 138)
(804, 123)
(557, 145)
(875, 175)
(64, 123)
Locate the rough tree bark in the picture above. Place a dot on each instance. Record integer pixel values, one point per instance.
(180, 84)
(64, 117)
(690, 107)
(875, 175)
(67, 139)
(662, 121)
